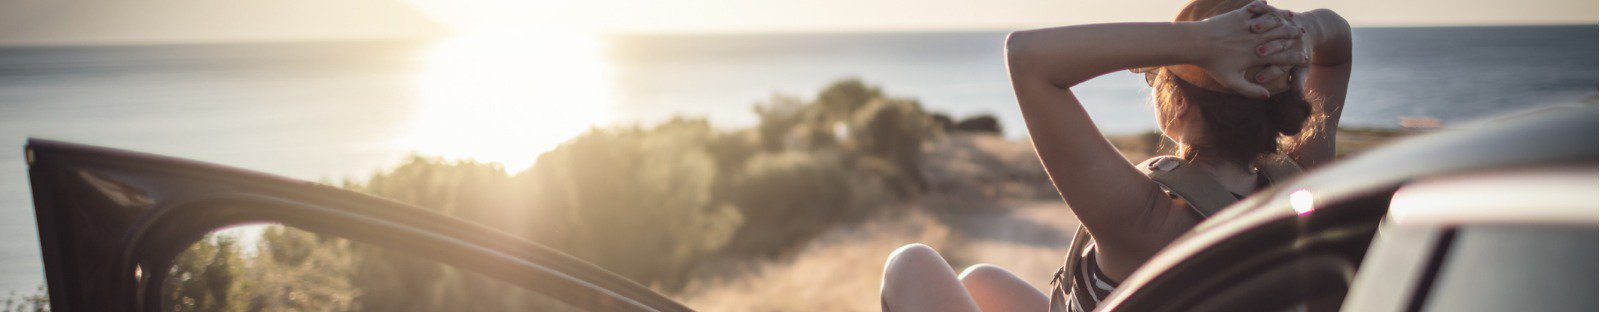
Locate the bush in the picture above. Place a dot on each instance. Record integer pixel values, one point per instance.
(37, 301)
(636, 202)
(841, 99)
(295, 270)
(787, 198)
(204, 278)
(943, 122)
(778, 116)
(893, 131)
(980, 123)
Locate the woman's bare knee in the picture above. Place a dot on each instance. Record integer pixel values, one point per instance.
(995, 289)
(910, 260)
(983, 271)
(986, 277)
(916, 278)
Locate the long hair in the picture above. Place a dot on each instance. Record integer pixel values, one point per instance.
(1238, 128)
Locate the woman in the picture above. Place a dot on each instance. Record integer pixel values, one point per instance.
(1231, 80)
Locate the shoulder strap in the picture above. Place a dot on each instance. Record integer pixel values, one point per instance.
(1278, 167)
(1195, 187)
(1067, 284)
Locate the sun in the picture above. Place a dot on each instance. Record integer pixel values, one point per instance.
(506, 99)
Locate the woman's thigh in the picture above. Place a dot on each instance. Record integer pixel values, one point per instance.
(916, 278)
(996, 289)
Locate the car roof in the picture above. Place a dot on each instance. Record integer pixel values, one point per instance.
(1533, 196)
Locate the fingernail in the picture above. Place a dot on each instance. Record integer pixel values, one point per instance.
(1261, 78)
(1255, 28)
(1261, 50)
(1291, 14)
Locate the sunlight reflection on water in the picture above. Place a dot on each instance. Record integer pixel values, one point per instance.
(507, 99)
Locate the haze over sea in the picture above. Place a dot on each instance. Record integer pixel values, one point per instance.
(343, 110)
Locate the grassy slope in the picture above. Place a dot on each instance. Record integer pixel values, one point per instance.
(989, 203)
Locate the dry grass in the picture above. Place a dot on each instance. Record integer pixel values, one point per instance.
(839, 271)
(965, 167)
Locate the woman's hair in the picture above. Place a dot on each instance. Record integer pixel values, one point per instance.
(1235, 127)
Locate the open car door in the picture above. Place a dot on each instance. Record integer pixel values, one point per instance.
(112, 223)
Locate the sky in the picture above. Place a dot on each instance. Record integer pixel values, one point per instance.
(914, 15)
(177, 21)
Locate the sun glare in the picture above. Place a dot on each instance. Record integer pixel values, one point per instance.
(1302, 202)
(508, 99)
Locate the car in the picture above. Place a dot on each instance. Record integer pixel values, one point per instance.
(1495, 216)
(1491, 217)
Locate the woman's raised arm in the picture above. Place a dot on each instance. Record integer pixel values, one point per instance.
(1327, 80)
(1122, 207)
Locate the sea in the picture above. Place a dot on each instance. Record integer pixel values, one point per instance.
(335, 111)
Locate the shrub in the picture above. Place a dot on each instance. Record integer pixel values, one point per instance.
(778, 116)
(787, 198)
(893, 131)
(205, 278)
(633, 201)
(980, 123)
(942, 121)
(841, 99)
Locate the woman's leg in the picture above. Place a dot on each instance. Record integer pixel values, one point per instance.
(995, 289)
(916, 278)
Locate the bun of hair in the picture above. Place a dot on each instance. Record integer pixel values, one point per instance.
(1288, 117)
(1234, 126)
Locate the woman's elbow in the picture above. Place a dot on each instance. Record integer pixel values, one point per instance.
(1333, 19)
(1023, 60)
(1017, 48)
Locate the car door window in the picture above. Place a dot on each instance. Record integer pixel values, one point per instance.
(281, 268)
(1516, 268)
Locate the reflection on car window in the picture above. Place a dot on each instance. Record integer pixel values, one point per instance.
(279, 268)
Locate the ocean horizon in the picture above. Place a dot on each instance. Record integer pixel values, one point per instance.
(342, 110)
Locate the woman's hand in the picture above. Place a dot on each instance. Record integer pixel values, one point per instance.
(1237, 45)
(1280, 77)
